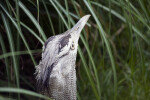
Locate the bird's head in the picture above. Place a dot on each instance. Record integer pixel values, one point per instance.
(68, 42)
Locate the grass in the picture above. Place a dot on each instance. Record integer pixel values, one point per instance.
(113, 54)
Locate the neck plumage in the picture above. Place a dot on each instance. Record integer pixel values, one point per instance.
(65, 90)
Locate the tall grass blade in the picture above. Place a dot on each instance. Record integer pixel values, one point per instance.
(49, 18)
(11, 43)
(33, 20)
(18, 53)
(102, 33)
(88, 73)
(6, 59)
(19, 31)
(124, 20)
(59, 14)
(22, 91)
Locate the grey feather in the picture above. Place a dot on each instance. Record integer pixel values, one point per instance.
(56, 74)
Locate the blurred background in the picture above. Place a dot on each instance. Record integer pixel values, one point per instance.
(113, 61)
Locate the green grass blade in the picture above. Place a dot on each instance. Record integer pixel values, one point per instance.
(5, 98)
(18, 53)
(18, 24)
(11, 43)
(102, 33)
(32, 32)
(49, 18)
(6, 59)
(20, 32)
(134, 11)
(33, 20)
(88, 73)
(124, 20)
(22, 91)
(18, 36)
(144, 9)
(59, 14)
(67, 9)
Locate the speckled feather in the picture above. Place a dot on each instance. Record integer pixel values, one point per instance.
(56, 74)
(47, 81)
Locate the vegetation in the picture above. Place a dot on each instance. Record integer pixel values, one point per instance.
(113, 60)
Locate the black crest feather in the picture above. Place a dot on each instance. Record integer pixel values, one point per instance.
(64, 41)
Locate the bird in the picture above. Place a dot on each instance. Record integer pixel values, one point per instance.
(56, 73)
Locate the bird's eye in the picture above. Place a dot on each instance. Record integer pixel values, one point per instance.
(72, 46)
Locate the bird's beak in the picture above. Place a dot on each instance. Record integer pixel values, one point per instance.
(79, 25)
